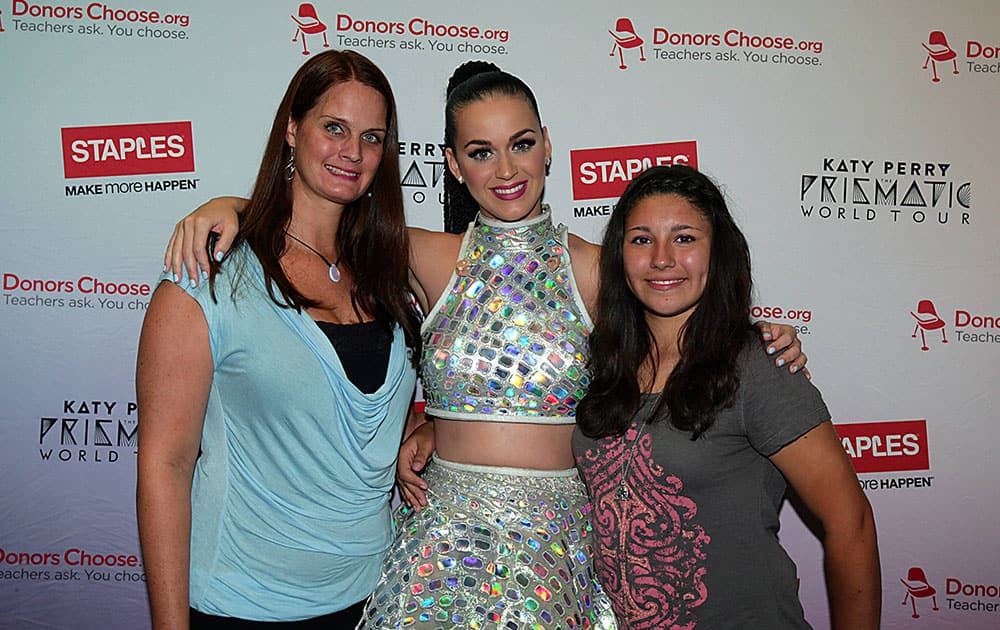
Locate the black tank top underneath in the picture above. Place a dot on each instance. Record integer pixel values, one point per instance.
(363, 350)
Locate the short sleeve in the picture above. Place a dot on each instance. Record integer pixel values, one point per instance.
(778, 407)
(209, 307)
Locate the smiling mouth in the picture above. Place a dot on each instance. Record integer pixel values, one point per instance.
(507, 193)
(341, 172)
(665, 284)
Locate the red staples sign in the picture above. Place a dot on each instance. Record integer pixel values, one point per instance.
(141, 149)
(604, 173)
(886, 446)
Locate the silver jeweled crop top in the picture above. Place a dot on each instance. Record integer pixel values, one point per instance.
(508, 340)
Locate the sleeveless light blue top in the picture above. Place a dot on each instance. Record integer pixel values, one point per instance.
(290, 499)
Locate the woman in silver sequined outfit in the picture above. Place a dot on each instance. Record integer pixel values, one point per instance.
(499, 535)
(504, 539)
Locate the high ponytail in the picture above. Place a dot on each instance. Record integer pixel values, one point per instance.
(472, 81)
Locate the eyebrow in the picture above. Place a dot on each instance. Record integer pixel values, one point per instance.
(344, 121)
(487, 142)
(676, 228)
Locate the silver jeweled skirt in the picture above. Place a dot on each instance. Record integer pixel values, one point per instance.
(495, 548)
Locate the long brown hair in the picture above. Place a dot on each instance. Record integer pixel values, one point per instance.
(706, 378)
(372, 239)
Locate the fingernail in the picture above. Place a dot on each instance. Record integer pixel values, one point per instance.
(770, 350)
(795, 369)
(767, 336)
(175, 278)
(204, 275)
(781, 362)
(164, 267)
(218, 256)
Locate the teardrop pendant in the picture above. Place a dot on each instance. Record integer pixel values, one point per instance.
(333, 271)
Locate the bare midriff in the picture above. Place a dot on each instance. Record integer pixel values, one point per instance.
(509, 444)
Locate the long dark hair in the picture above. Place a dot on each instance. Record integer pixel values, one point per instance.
(471, 82)
(371, 239)
(705, 379)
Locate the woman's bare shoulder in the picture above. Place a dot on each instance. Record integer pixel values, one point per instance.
(432, 239)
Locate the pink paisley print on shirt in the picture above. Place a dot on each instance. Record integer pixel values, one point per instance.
(651, 552)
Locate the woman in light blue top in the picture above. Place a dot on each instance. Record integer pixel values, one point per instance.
(272, 395)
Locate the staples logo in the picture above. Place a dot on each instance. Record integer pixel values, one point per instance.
(140, 149)
(604, 173)
(886, 446)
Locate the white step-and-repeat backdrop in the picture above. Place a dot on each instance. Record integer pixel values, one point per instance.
(857, 141)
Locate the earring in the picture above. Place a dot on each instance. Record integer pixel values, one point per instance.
(548, 161)
(290, 165)
(461, 180)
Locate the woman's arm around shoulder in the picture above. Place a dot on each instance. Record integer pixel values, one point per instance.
(432, 260)
(173, 378)
(822, 475)
(188, 245)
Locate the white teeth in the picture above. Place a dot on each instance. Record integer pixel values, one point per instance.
(509, 191)
(665, 283)
(337, 171)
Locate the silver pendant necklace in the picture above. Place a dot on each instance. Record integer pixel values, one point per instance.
(623, 493)
(333, 272)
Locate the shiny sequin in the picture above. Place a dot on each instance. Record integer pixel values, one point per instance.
(513, 296)
(539, 577)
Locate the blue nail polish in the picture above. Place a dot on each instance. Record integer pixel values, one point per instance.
(175, 278)
(204, 275)
(781, 362)
(795, 369)
(770, 350)
(767, 336)
(218, 256)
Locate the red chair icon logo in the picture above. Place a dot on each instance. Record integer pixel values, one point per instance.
(625, 37)
(927, 319)
(308, 23)
(917, 587)
(938, 50)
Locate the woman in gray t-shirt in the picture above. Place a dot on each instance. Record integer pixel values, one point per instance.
(688, 435)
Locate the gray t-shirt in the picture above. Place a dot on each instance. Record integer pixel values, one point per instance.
(695, 544)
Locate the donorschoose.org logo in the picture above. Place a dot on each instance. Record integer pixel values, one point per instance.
(625, 38)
